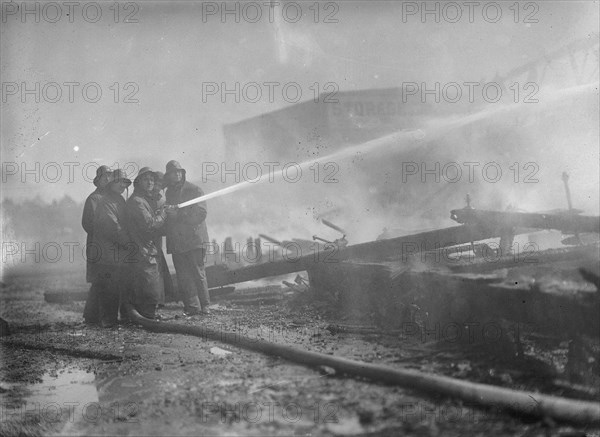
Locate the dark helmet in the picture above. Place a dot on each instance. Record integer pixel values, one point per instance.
(173, 166)
(101, 171)
(143, 171)
(119, 174)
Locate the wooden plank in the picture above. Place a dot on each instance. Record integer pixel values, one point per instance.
(401, 247)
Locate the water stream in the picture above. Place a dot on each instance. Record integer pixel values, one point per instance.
(405, 139)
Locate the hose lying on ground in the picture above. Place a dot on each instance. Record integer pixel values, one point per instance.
(521, 402)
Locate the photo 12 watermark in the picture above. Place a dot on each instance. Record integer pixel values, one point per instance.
(70, 12)
(66, 411)
(69, 92)
(473, 91)
(270, 12)
(453, 332)
(267, 412)
(414, 412)
(268, 92)
(489, 252)
(69, 172)
(271, 171)
(43, 332)
(470, 12)
(470, 171)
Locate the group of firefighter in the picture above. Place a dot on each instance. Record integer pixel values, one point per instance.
(126, 265)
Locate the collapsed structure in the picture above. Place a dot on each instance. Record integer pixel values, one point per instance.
(459, 277)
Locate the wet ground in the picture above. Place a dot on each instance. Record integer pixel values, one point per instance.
(60, 377)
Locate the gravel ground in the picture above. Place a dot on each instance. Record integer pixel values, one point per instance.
(145, 383)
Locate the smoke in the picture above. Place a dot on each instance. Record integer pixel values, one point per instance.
(510, 155)
(371, 191)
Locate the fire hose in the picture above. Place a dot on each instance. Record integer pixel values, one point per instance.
(520, 402)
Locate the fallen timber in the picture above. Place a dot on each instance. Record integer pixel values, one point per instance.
(438, 290)
(379, 279)
(376, 250)
(519, 402)
(477, 225)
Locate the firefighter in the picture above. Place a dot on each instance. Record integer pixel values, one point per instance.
(91, 310)
(187, 240)
(145, 224)
(116, 252)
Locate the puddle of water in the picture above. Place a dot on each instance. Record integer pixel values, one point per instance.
(71, 384)
(59, 401)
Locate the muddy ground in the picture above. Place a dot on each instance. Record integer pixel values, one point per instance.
(61, 377)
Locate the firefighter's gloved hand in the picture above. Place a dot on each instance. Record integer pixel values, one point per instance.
(171, 210)
(161, 213)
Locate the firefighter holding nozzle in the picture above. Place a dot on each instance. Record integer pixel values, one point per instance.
(187, 239)
(146, 224)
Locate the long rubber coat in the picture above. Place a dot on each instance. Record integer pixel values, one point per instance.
(114, 255)
(145, 228)
(87, 222)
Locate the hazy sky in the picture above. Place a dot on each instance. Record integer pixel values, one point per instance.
(176, 47)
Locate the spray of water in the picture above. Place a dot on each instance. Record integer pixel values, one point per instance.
(406, 138)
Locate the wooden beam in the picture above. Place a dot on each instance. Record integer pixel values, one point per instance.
(398, 248)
